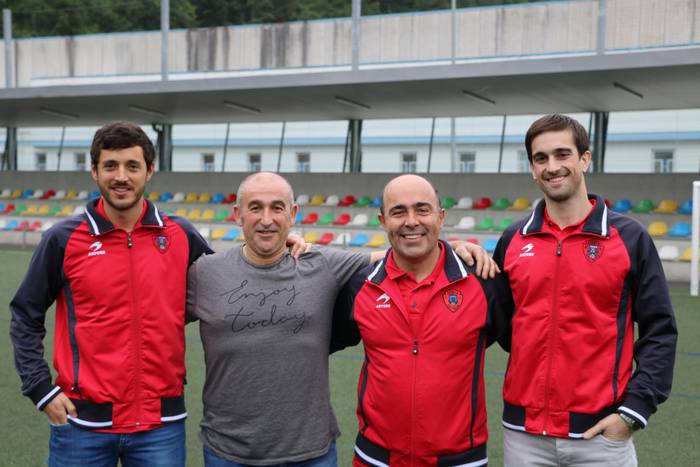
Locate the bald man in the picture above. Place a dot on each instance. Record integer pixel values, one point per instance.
(425, 321)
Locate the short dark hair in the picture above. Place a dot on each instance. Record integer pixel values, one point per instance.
(121, 135)
(557, 122)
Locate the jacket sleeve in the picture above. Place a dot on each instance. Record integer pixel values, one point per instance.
(655, 348)
(198, 246)
(345, 332)
(503, 308)
(39, 289)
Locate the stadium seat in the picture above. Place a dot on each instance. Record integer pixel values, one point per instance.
(153, 196)
(374, 221)
(503, 224)
(218, 233)
(687, 255)
(342, 219)
(194, 214)
(204, 198)
(78, 210)
(465, 202)
(359, 240)
(231, 235)
(221, 216)
(466, 223)
(644, 206)
(2, 207)
(327, 219)
(3, 223)
(473, 240)
(191, 198)
(182, 212)
(230, 198)
(204, 232)
(377, 241)
(26, 194)
(66, 211)
(232, 216)
(342, 239)
(316, 200)
(485, 224)
(668, 253)
(218, 198)
(83, 195)
(490, 244)
(686, 207)
(60, 195)
(332, 200)
(11, 225)
(44, 210)
(363, 202)
(20, 208)
(348, 200)
(72, 194)
(680, 230)
(94, 195)
(208, 215)
(325, 239)
(165, 197)
(34, 226)
(483, 203)
(501, 204)
(520, 204)
(622, 205)
(6, 193)
(38, 194)
(55, 210)
(311, 218)
(657, 229)
(376, 202)
(9, 207)
(360, 220)
(311, 236)
(49, 194)
(299, 217)
(16, 194)
(302, 200)
(178, 197)
(46, 226)
(32, 210)
(448, 202)
(666, 206)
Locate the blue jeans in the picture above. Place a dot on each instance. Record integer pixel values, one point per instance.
(70, 446)
(329, 459)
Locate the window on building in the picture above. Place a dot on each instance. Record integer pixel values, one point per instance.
(663, 161)
(409, 162)
(40, 161)
(254, 162)
(467, 162)
(523, 161)
(208, 163)
(80, 161)
(303, 162)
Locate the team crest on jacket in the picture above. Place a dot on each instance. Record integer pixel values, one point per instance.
(592, 250)
(452, 299)
(162, 242)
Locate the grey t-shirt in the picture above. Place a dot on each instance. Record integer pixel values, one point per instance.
(266, 336)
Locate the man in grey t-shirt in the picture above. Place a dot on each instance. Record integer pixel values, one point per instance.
(265, 323)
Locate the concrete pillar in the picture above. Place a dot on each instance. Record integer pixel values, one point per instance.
(164, 34)
(355, 146)
(165, 146)
(600, 139)
(7, 37)
(9, 156)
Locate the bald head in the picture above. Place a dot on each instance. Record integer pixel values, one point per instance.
(408, 183)
(258, 180)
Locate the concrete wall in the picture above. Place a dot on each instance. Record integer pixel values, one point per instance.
(510, 30)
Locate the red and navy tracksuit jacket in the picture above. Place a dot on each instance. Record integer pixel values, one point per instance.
(576, 295)
(420, 396)
(119, 344)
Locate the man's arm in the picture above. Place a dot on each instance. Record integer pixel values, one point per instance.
(345, 332)
(500, 319)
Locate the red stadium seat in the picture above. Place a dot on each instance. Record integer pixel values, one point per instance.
(348, 200)
(229, 199)
(311, 218)
(325, 239)
(483, 203)
(342, 219)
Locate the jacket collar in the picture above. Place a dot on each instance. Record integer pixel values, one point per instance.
(597, 222)
(454, 267)
(99, 225)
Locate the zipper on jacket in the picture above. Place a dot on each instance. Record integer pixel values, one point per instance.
(552, 336)
(414, 351)
(129, 243)
(361, 397)
(415, 346)
(136, 333)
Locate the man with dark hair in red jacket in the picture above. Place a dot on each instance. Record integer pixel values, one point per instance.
(578, 277)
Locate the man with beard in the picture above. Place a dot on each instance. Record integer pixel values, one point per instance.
(579, 276)
(117, 273)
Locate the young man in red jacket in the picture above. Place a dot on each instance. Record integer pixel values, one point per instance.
(579, 276)
(117, 273)
(425, 321)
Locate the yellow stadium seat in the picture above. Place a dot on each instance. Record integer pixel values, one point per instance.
(32, 210)
(194, 215)
(311, 236)
(218, 233)
(182, 212)
(72, 194)
(316, 200)
(44, 210)
(377, 240)
(204, 198)
(658, 229)
(66, 211)
(208, 214)
(16, 194)
(191, 198)
(521, 204)
(667, 206)
(153, 196)
(687, 255)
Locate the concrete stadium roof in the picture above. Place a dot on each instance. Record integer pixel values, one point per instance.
(663, 79)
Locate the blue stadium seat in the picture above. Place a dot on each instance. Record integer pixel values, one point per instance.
(360, 239)
(622, 205)
(490, 244)
(217, 198)
(686, 207)
(299, 217)
(12, 225)
(94, 195)
(376, 202)
(27, 193)
(165, 197)
(231, 235)
(680, 229)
